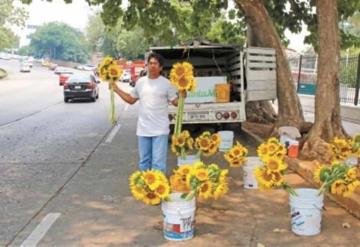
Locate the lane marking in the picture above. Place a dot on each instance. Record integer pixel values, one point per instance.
(34, 238)
(113, 133)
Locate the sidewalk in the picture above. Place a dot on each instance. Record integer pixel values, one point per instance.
(97, 210)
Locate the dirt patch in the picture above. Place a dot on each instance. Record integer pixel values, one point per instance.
(260, 129)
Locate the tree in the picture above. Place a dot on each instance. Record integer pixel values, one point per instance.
(59, 41)
(327, 101)
(10, 15)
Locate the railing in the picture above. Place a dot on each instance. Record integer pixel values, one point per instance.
(304, 75)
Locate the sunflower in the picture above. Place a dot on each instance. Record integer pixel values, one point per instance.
(181, 141)
(273, 140)
(151, 198)
(184, 170)
(272, 148)
(262, 150)
(216, 138)
(138, 192)
(114, 72)
(151, 178)
(134, 178)
(264, 177)
(203, 143)
(220, 190)
(205, 190)
(181, 76)
(198, 164)
(275, 165)
(201, 174)
(351, 174)
(277, 179)
(223, 175)
(351, 187)
(317, 173)
(338, 187)
(162, 190)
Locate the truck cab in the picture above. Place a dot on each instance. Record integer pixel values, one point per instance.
(249, 74)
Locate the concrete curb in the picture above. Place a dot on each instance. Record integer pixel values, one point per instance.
(3, 73)
(306, 168)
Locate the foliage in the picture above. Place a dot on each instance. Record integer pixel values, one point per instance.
(10, 15)
(59, 41)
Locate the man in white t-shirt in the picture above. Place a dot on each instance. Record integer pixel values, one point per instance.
(154, 93)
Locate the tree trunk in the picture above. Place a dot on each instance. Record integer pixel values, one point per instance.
(290, 111)
(327, 101)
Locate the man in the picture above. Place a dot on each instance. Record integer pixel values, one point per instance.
(154, 92)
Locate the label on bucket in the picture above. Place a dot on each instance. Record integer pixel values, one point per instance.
(179, 228)
(306, 222)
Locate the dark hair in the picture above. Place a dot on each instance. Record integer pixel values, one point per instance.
(158, 57)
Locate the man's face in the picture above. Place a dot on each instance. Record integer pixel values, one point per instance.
(154, 67)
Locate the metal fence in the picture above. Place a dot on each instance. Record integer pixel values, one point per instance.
(304, 73)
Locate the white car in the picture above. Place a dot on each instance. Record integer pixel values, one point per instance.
(62, 70)
(5, 56)
(25, 67)
(126, 77)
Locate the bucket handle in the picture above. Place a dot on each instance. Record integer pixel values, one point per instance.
(321, 209)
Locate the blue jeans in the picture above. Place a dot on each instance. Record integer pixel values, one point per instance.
(153, 152)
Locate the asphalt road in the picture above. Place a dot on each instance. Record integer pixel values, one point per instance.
(43, 141)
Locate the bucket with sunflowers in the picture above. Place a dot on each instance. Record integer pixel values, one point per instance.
(110, 72)
(237, 157)
(182, 77)
(305, 203)
(178, 198)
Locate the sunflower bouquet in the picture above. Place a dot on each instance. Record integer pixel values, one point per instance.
(236, 156)
(338, 178)
(207, 144)
(181, 144)
(182, 77)
(270, 149)
(110, 71)
(272, 174)
(204, 181)
(341, 148)
(149, 186)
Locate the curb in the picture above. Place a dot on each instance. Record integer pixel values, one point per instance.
(305, 170)
(3, 73)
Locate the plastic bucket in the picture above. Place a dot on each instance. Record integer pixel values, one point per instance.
(179, 218)
(188, 160)
(306, 212)
(222, 93)
(227, 139)
(249, 169)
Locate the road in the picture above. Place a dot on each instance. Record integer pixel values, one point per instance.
(43, 141)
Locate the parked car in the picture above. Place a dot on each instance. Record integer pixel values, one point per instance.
(64, 76)
(25, 67)
(88, 67)
(52, 66)
(125, 77)
(81, 87)
(5, 56)
(62, 70)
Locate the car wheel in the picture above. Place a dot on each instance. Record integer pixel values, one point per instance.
(97, 96)
(93, 99)
(66, 100)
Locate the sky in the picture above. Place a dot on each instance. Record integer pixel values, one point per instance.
(76, 15)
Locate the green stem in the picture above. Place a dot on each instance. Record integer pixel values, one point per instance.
(181, 112)
(112, 107)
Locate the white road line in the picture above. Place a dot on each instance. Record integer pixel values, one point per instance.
(34, 238)
(113, 133)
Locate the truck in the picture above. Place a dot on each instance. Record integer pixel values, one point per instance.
(250, 73)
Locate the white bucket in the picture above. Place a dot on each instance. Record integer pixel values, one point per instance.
(306, 212)
(227, 139)
(188, 160)
(179, 218)
(249, 172)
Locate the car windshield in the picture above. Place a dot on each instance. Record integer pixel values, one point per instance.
(78, 78)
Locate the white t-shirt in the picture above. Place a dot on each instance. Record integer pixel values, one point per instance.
(154, 96)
